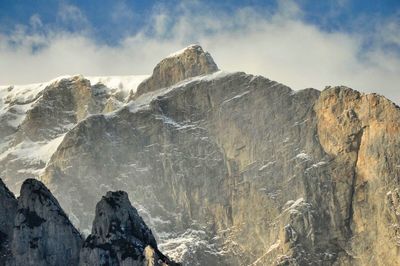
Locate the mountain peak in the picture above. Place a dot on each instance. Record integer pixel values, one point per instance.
(189, 62)
(120, 236)
(42, 221)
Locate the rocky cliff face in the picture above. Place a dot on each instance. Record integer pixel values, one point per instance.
(36, 231)
(119, 236)
(43, 234)
(8, 208)
(187, 63)
(236, 169)
(34, 119)
(361, 133)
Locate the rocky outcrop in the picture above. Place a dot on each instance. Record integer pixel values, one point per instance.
(36, 231)
(61, 105)
(43, 234)
(361, 133)
(8, 209)
(119, 236)
(236, 169)
(190, 62)
(37, 117)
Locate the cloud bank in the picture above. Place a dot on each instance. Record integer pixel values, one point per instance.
(280, 45)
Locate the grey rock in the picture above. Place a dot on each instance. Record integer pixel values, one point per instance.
(45, 118)
(236, 169)
(119, 236)
(8, 209)
(190, 62)
(43, 234)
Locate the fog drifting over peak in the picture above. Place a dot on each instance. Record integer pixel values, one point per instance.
(279, 45)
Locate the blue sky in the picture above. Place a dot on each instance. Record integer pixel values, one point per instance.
(305, 43)
(112, 20)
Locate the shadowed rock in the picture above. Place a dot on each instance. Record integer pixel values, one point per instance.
(8, 209)
(119, 236)
(43, 234)
(239, 170)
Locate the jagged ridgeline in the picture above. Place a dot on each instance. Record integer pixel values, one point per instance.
(226, 168)
(35, 230)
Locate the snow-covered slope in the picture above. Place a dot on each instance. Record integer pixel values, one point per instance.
(35, 117)
(119, 83)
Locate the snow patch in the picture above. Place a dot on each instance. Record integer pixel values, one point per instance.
(144, 100)
(235, 97)
(316, 165)
(303, 156)
(120, 83)
(178, 53)
(266, 165)
(34, 152)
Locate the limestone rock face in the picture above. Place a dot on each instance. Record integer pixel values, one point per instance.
(34, 119)
(8, 209)
(235, 169)
(361, 132)
(35, 231)
(43, 234)
(119, 236)
(190, 62)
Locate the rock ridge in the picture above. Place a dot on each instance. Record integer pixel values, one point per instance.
(190, 62)
(120, 236)
(34, 230)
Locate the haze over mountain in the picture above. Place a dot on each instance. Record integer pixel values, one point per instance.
(226, 168)
(299, 43)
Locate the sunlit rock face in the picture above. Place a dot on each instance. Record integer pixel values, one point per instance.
(187, 63)
(236, 169)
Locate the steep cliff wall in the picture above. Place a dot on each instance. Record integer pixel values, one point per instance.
(236, 169)
(8, 209)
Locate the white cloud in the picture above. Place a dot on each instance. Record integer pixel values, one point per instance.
(71, 16)
(280, 46)
(122, 12)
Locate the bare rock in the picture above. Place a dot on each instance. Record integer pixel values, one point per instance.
(43, 234)
(190, 62)
(119, 236)
(8, 209)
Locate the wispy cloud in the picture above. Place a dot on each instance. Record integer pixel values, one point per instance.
(280, 45)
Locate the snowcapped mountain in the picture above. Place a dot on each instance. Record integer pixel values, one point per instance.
(226, 168)
(35, 117)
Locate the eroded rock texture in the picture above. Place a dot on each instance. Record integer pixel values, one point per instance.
(8, 209)
(34, 121)
(119, 236)
(43, 234)
(35, 231)
(361, 133)
(236, 169)
(190, 62)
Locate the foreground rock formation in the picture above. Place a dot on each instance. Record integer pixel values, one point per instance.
(236, 169)
(119, 236)
(8, 208)
(41, 233)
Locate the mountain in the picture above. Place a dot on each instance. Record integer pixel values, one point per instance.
(226, 168)
(119, 236)
(41, 233)
(8, 209)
